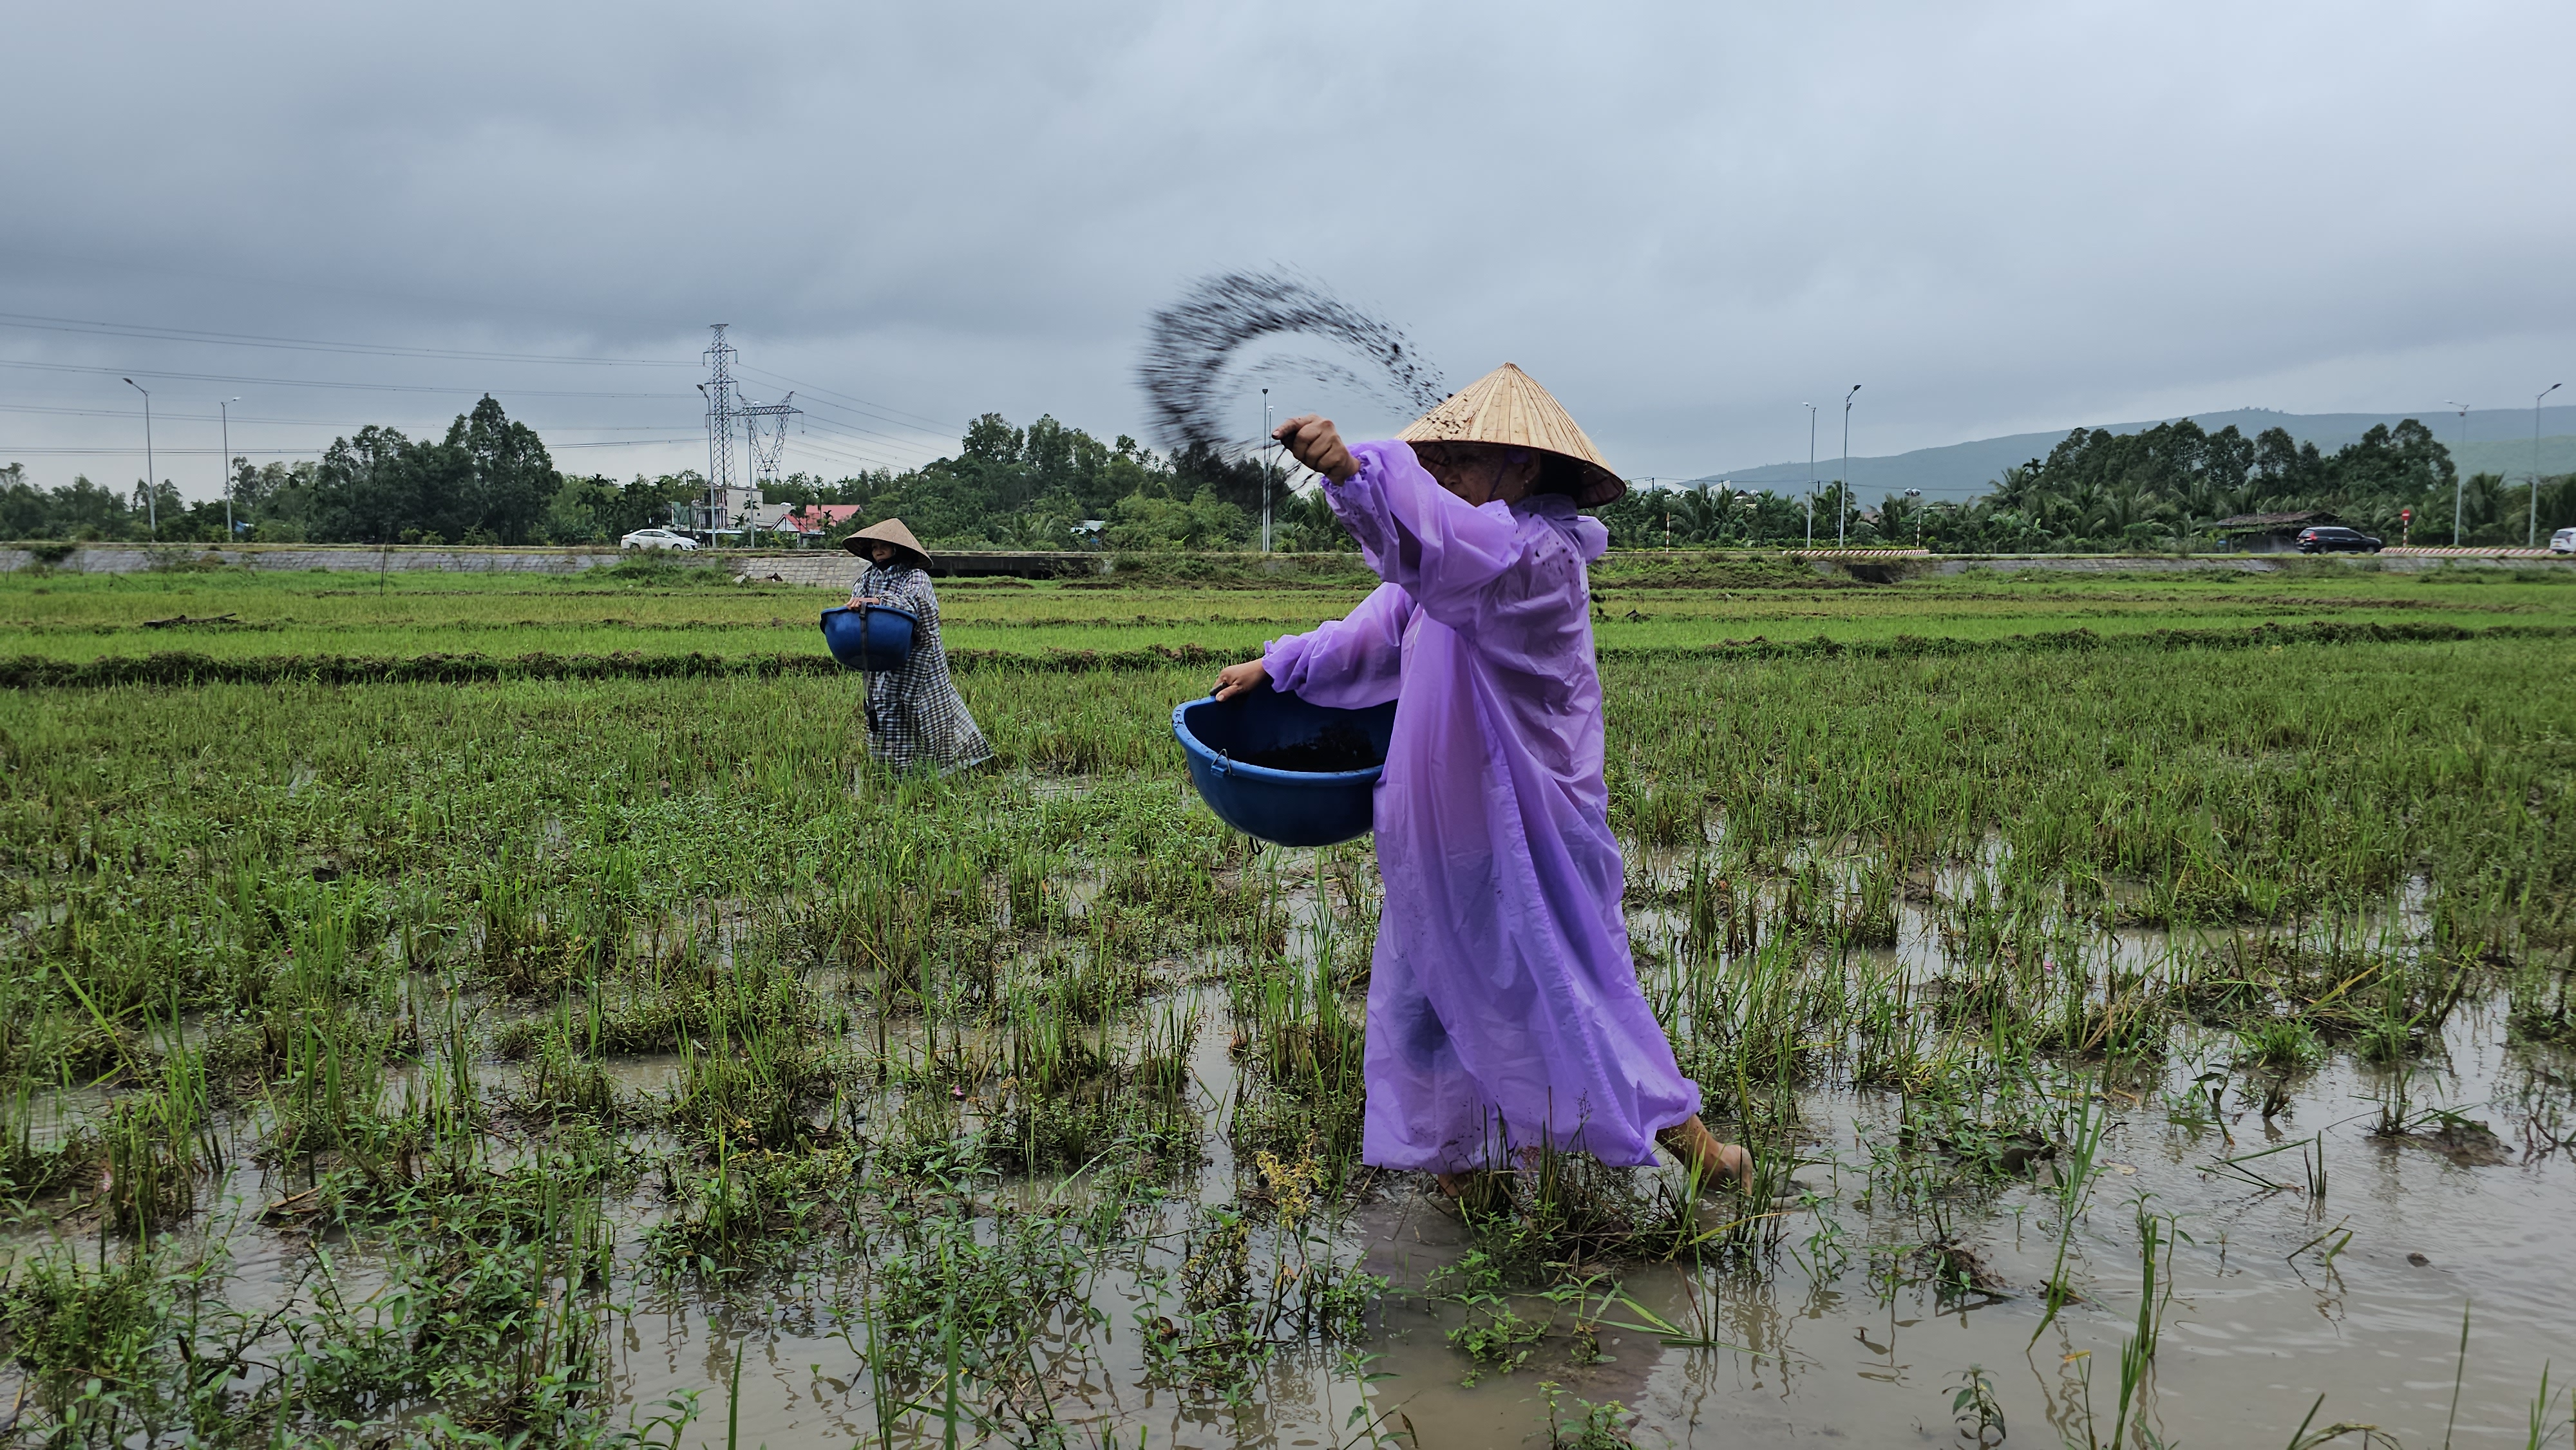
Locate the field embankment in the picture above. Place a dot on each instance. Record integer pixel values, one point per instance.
(663, 612)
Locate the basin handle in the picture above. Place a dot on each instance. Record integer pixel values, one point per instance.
(1222, 764)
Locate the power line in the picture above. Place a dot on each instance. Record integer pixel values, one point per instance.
(51, 452)
(40, 323)
(10, 452)
(858, 435)
(323, 422)
(885, 412)
(851, 430)
(828, 447)
(310, 383)
(806, 449)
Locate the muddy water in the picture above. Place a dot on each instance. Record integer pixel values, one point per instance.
(2262, 1317)
(2270, 1298)
(2276, 1298)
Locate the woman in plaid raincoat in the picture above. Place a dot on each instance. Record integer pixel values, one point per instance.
(915, 717)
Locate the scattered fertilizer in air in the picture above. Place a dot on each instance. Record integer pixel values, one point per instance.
(1190, 370)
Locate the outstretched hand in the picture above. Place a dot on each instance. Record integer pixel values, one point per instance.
(1314, 442)
(1233, 680)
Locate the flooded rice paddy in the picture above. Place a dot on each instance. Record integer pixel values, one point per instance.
(2137, 1050)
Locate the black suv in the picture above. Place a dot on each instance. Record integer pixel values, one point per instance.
(2331, 539)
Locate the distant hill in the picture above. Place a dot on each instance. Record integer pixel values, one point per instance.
(2499, 442)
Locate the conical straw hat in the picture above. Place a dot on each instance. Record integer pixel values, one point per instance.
(890, 531)
(1508, 407)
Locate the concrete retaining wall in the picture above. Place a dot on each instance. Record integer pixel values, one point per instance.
(2392, 560)
(292, 558)
(828, 567)
(834, 570)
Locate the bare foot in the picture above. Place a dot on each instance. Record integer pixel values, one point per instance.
(1698, 1148)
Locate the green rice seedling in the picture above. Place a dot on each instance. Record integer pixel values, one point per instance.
(1564, 1207)
(1868, 915)
(1029, 1134)
(1713, 923)
(1305, 1049)
(679, 990)
(1052, 1050)
(68, 1155)
(974, 1295)
(1890, 1045)
(2155, 1233)
(2547, 1423)
(745, 1206)
(561, 1080)
(327, 1095)
(500, 1330)
(748, 1084)
(1164, 1048)
(2282, 1046)
(1103, 983)
(1657, 813)
(1029, 891)
(159, 1141)
(2536, 1003)
(2074, 1171)
(1740, 1020)
(138, 1350)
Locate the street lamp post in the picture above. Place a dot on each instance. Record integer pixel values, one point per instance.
(1811, 473)
(152, 492)
(226, 408)
(2457, 473)
(1842, 501)
(2531, 540)
(1911, 495)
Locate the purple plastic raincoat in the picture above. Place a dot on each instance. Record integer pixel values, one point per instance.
(1503, 1005)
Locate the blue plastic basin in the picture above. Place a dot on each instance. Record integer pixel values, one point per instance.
(1290, 807)
(870, 637)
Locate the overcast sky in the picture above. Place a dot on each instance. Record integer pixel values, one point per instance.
(1685, 219)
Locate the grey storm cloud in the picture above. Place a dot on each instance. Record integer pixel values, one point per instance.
(1685, 219)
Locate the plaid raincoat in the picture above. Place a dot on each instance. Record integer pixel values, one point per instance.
(915, 717)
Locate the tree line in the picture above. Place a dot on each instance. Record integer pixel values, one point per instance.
(1047, 485)
(490, 480)
(2166, 487)
(1041, 486)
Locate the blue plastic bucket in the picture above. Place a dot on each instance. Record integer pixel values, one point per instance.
(1290, 807)
(870, 637)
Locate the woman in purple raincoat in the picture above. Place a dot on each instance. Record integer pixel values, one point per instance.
(1504, 1009)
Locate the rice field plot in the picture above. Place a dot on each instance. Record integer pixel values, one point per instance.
(2140, 1046)
(1647, 603)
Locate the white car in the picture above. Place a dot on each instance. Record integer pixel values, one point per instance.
(2563, 542)
(656, 539)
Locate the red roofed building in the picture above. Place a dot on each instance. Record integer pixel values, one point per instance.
(824, 520)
